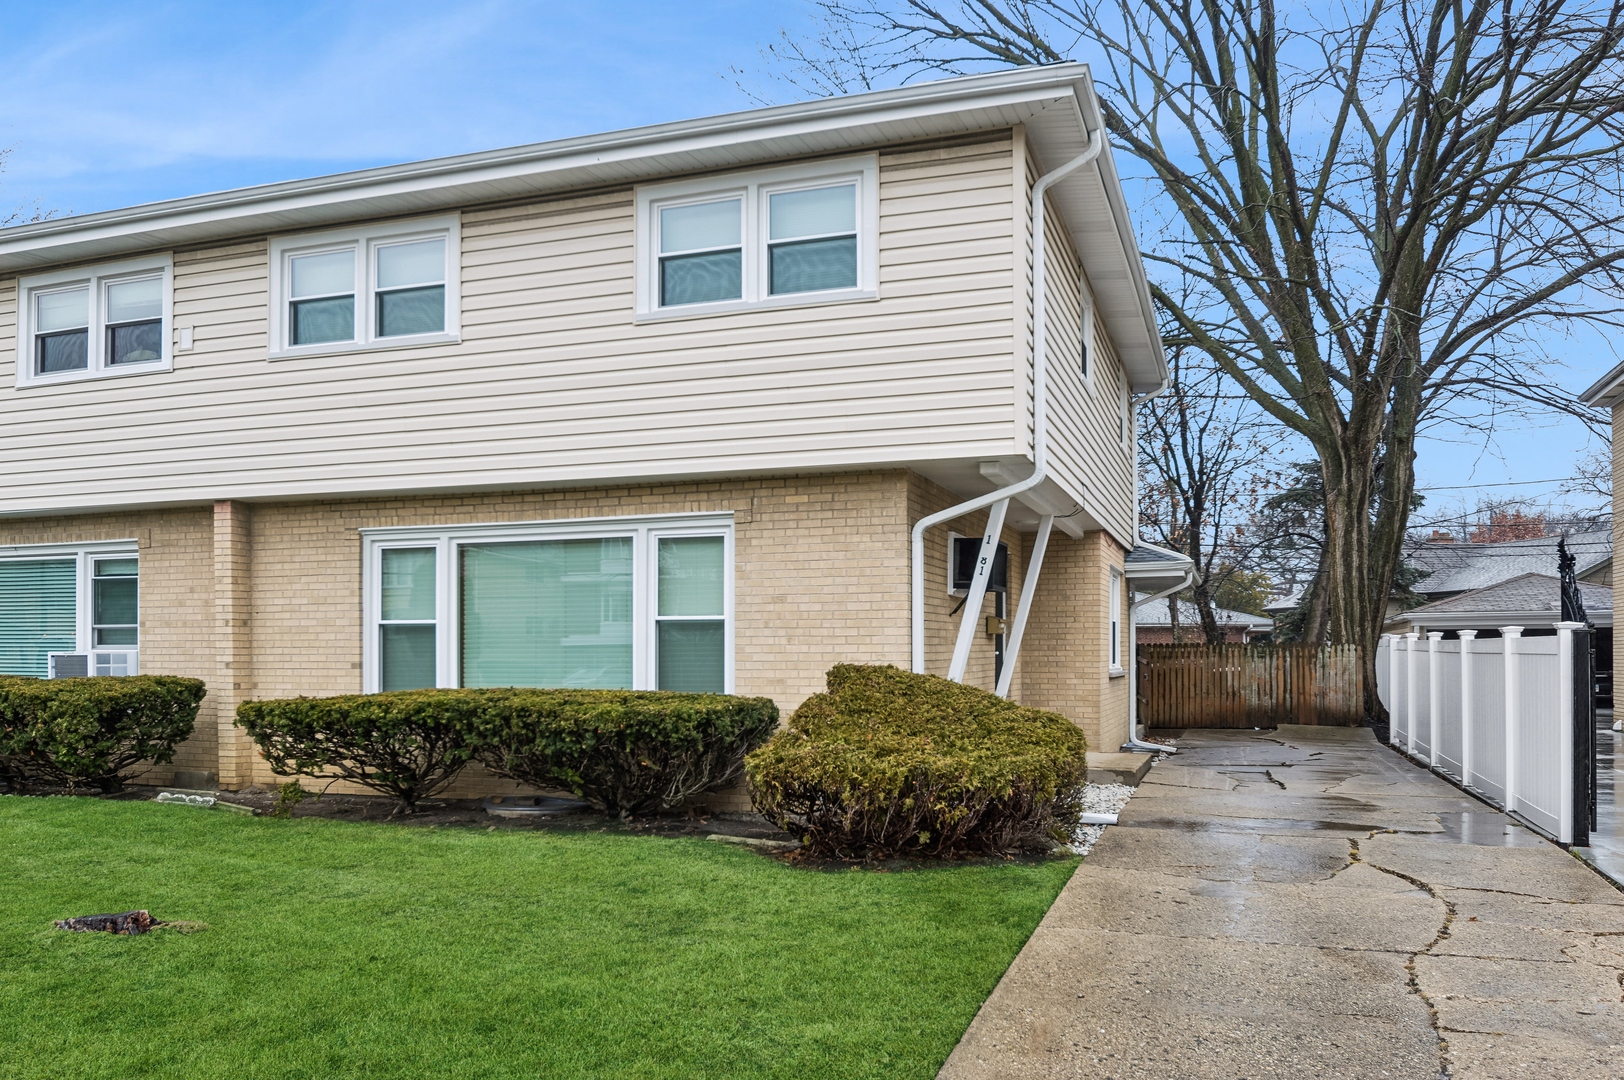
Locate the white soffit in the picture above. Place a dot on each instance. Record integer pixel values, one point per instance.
(1054, 102)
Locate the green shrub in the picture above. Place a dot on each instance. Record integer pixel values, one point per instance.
(625, 752)
(405, 743)
(888, 762)
(89, 732)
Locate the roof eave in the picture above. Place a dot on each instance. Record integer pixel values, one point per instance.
(1056, 102)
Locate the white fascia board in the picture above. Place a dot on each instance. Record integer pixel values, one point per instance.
(616, 157)
(1490, 620)
(1606, 391)
(1056, 102)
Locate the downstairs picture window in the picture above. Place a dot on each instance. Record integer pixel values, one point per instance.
(638, 604)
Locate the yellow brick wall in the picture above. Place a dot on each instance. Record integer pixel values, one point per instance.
(1064, 663)
(177, 598)
(264, 600)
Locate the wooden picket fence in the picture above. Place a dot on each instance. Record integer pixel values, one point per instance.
(1245, 686)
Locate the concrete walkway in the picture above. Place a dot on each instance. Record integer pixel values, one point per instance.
(1306, 903)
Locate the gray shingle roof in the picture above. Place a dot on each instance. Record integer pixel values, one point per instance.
(1155, 613)
(1457, 568)
(1526, 592)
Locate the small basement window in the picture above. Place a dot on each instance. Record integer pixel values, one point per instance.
(94, 322)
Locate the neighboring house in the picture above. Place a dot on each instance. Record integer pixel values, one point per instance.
(1531, 601)
(1452, 568)
(652, 409)
(1154, 624)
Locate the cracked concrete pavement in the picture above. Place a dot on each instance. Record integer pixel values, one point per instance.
(1304, 902)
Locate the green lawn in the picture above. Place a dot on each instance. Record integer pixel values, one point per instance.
(350, 950)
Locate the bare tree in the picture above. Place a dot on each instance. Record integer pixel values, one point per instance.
(1204, 455)
(1376, 208)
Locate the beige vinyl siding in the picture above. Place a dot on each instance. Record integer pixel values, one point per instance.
(553, 381)
(1086, 456)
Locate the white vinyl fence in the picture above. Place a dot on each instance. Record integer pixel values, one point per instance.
(1494, 715)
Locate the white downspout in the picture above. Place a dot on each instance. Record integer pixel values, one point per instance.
(1134, 742)
(1040, 417)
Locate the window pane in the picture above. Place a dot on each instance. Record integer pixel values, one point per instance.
(691, 575)
(699, 279)
(703, 225)
(323, 275)
(38, 613)
(817, 212)
(62, 310)
(811, 265)
(315, 321)
(117, 567)
(406, 657)
(135, 343)
(419, 263)
(408, 584)
(115, 635)
(691, 656)
(411, 311)
(113, 601)
(548, 613)
(64, 352)
(133, 301)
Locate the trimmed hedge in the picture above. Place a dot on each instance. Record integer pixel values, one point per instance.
(89, 732)
(625, 752)
(406, 743)
(887, 762)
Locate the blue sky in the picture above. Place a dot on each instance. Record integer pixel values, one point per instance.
(106, 105)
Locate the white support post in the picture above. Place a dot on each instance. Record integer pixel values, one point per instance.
(1396, 709)
(1509, 636)
(1564, 712)
(1029, 588)
(1434, 697)
(1392, 687)
(978, 589)
(1409, 691)
(1466, 717)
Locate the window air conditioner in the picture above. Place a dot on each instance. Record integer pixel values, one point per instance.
(67, 665)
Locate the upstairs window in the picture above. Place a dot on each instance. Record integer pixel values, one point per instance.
(94, 322)
(377, 287)
(701, 260)
(795, 235)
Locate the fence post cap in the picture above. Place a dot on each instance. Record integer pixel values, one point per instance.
(1435, 635)
(1413, 636)
(1570, 626)
(1467, 634)
(1511, 631)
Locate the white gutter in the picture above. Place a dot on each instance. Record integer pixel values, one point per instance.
(1134, 742)
(1040, 424)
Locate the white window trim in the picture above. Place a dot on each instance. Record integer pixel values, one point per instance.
(446, 540)
(365, 241)
(753, 188)
(96, 278)
(1113, 649)
(85, 556)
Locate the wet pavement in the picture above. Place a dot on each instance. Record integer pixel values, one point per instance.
(1606, 848)
(1305, 902)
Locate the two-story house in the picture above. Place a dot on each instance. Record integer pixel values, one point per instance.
(708, 405)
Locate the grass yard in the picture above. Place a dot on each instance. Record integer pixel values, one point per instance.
(351, 950)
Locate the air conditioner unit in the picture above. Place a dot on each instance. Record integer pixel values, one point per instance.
(68, 665)
(966, 550)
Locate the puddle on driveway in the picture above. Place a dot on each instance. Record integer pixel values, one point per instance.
(1248, 824)
(1486, 829)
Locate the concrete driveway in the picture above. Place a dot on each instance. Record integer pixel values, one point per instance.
(1305, 903)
